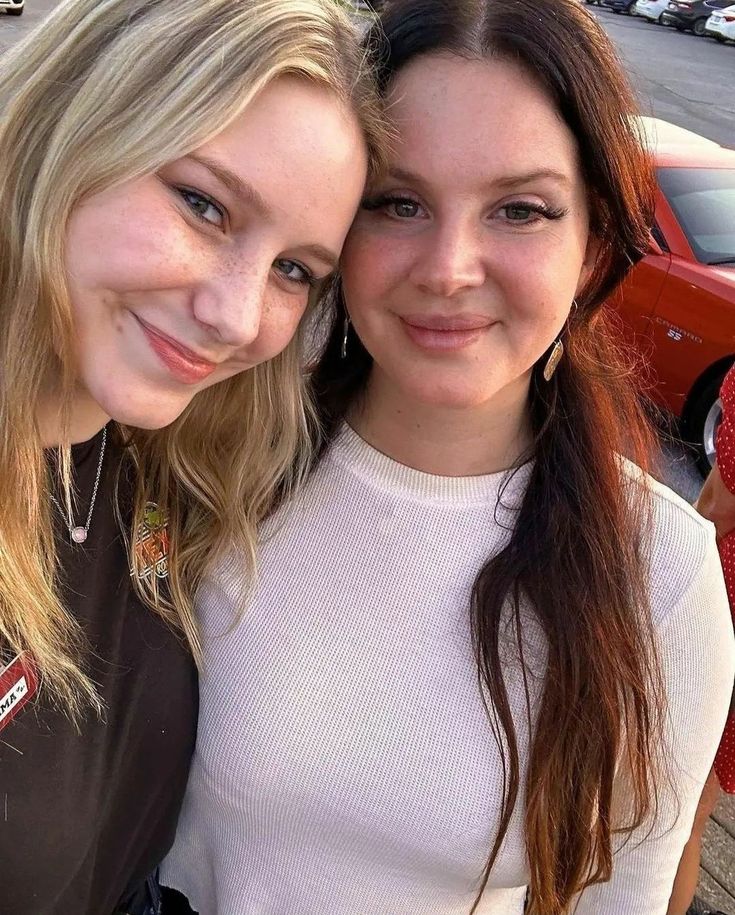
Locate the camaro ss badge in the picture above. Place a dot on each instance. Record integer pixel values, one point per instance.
(150, 549)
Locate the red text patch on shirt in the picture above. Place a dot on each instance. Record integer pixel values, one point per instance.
(18, 685)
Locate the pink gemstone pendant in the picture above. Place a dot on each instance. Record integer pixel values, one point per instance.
(78, 534)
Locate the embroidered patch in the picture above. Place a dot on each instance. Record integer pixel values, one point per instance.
(18, 685)
(151, 544)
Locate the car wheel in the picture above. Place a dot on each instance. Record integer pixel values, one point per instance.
(699, 27)
(660, 20)
(702, 421)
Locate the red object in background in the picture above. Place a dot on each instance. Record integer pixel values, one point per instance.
(725, 759)
(18, 685)
(678, 309)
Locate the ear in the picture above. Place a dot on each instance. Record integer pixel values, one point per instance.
(589, 263)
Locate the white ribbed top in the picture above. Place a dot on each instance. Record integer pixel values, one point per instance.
(345, 764)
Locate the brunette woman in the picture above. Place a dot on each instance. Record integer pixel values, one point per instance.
(471, 670)
(176, 179)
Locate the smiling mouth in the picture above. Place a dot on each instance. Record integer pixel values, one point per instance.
(442, 333)
(182, 363)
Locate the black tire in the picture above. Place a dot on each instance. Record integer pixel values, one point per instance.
(702, 419)
(699, 27)
(12, 12)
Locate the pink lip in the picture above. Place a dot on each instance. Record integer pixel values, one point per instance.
(184, 365)
(445, 332)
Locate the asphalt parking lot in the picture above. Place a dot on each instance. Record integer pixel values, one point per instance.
(678, 77)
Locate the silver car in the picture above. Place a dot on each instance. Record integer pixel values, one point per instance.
(13, 7)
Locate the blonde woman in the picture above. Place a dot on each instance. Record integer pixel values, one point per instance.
(177, 179)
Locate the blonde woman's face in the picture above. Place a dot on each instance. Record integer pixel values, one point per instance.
(184, 278)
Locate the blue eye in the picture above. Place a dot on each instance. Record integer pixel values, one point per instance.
(203, 207)
(294, 272)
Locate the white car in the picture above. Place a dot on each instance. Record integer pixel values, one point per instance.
(721, 24)
(12, 7)
(651, 9)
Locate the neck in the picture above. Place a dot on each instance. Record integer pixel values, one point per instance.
(448, 441)
(86, 420)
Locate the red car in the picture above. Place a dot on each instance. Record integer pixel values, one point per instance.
(679, 302)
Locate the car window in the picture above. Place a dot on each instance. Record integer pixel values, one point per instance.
(703, 200)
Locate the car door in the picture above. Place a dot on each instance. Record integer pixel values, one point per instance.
(642, 290)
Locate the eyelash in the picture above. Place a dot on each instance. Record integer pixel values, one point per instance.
(188, 192)
(386, 200)
(308, 280)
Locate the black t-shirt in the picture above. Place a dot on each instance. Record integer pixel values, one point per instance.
(85, 817)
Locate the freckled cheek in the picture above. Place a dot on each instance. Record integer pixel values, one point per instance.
(132, 253)
(371, 264)
(537, 283)
(278, 326)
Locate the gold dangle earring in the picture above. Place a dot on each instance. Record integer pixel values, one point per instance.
(343, 352)
(557, 351)
(554, 359)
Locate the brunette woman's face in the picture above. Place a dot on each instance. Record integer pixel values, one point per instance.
(184, 278)
(462, 265)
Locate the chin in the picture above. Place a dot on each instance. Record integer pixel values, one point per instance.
(449, 397)
(142, 409)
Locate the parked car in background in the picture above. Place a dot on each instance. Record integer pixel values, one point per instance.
(678, 305)
(692, 14)
(721, 24)
(12, 7)
(652, 10)
(618, 6)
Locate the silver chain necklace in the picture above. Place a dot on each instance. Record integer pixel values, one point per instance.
(78, 533)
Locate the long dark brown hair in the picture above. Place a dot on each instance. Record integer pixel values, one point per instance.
(577, 553)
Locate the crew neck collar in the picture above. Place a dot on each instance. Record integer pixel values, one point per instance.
(350, 450)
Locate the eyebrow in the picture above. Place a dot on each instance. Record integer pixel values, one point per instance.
(327, 257)
(252, 198)
(246, 192)
(505, 182)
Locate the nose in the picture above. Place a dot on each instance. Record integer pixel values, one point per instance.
(230, 302)
(451, 259)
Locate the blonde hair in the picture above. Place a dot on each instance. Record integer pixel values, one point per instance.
(102, 92)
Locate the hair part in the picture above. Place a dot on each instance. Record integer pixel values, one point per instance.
(578, 554)
(106, 91)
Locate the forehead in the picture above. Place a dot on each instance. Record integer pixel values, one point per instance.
(300, 147)
(457, 117)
